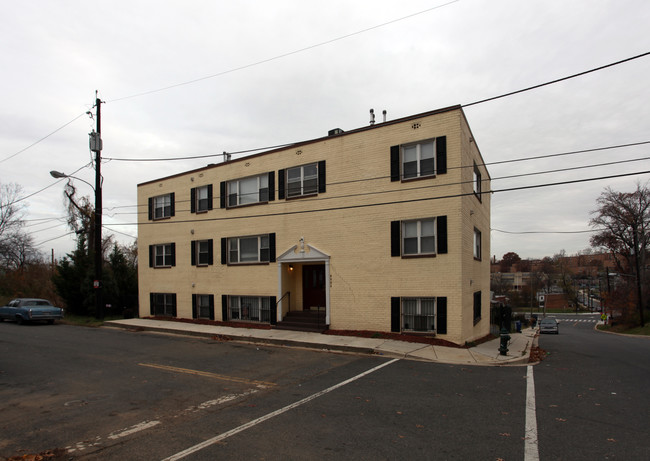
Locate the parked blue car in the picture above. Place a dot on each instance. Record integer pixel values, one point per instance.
(24, 310)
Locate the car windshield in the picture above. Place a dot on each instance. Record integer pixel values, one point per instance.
(549, 321)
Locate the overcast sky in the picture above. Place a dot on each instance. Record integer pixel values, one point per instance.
(193, 77)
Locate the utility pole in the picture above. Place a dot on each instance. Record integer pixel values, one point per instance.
(96, 146)
(637, 252)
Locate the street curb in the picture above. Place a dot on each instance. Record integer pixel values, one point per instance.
(620, 334)
(521, 360)
(249, 339)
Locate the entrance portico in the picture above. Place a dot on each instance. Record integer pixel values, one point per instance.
(303, 274)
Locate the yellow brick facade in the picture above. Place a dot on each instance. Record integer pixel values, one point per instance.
(349, 226)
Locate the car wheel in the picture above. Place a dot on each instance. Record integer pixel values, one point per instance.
(50, 322)
(19, 320)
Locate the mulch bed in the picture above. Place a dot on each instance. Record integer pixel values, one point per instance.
(256, 326)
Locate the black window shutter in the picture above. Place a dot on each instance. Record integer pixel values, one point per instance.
(152, 310)
(174, 304)
(395, 238)
(281, 184)
(395, 315)
(193, 200)
(442, 315)
(211, 298)
(210, 252)
(271, 186)
(224, 251)
(152, 256)
(150, 208)
(193, 253)
(224, 308)
(272, 247)
(442, 234)
(172, 199)
(321, 177)
(274, 310)
(209, 196)
(394, 163)
(441, 155)
(194, 309)
(222, 194)
(173, 261)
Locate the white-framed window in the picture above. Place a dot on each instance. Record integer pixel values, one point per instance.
(477, 244)
(252, 249)
(476, 180)
(202, 198)
(163, 304)
(203, 252)
(254, 189)
(419, 237)
(419, 314)
(162, 206)
(163, 255)
(203, 306)
(252, 308)
(302, 180)
(419, 160)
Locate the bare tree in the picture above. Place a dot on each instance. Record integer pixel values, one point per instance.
(565, 277)
(17, 251)
(11, 212)
(624, 222)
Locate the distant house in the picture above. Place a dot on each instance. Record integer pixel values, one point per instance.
(382, 228)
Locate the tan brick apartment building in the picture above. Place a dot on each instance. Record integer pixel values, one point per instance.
(382, 228)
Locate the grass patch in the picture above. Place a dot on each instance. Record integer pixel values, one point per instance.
(85, 321)
(627, 329)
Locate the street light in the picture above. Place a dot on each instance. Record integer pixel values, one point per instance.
(59, 175)
(99, 311)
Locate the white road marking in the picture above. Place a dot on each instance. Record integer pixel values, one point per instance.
(255, 422)
(531, 445)
(133, 429)
(115, 435)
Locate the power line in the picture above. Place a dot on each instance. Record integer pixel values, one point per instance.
(54, 238)
(121, 233)
(43, 138)
(465, 105)
(284, 55)
(547, 232)
(194, 157)
(575, 152)
(47, 187)
(559, 79)
(559, 170)
(396, 202)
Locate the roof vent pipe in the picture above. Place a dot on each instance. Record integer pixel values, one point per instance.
(372, 116)
(384, 113)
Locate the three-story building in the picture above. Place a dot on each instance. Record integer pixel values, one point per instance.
(382, 228)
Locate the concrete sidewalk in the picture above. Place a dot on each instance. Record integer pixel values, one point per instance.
(483, 354)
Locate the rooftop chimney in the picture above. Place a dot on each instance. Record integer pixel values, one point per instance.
(372, 116)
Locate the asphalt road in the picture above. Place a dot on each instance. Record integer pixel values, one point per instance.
(592, 394)
(111, 394)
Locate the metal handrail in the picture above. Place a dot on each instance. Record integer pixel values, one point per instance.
(288, 293)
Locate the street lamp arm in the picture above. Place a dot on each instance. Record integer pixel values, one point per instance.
(59, 175)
